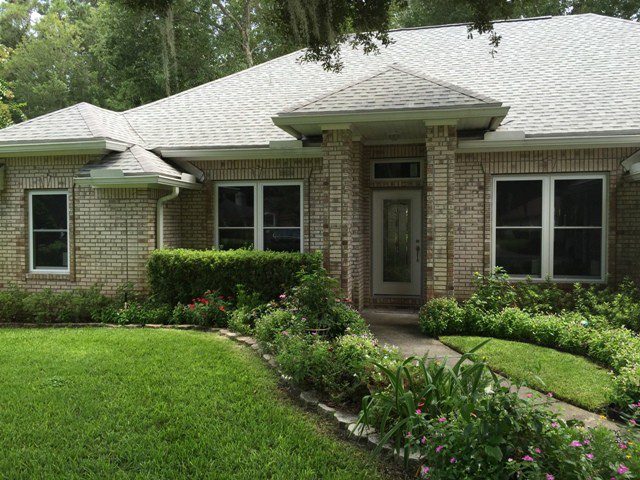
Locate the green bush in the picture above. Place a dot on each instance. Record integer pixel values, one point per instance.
(462, 423)
(177, 276)
(210, 310)
(249, 308)
(137, 313)
(12, 305)
(441, 316)
(271, 325)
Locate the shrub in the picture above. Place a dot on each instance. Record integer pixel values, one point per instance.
(273, 323)
(209, 310)
(137, 313)
(441, 316)
(48, 306)
(12, 305)
(180, 275)
(249, 307)
(462, 423)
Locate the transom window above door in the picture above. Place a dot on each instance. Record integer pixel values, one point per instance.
(260, 215)
(550, 226)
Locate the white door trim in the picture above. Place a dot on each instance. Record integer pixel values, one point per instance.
(413, 287)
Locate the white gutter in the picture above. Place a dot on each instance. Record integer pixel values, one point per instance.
(62, 147)
(160, 215)
(516, 141)
(249, 153)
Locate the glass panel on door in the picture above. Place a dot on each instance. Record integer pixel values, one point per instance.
(396, 240)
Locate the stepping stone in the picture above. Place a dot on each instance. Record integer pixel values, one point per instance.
(325, 410)
(344, 419)
(310, 399)
(360, 432)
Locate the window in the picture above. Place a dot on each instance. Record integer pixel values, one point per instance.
(396, 169)
(550, 226)
(261, 215)
(48, 231)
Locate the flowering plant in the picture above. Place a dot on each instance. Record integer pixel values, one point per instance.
(211, 309)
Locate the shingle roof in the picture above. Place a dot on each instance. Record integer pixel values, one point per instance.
(133, 161)
(394, 88)
(82, 121)
(559, 75)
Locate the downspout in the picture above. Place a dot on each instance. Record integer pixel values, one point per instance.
(160, 215)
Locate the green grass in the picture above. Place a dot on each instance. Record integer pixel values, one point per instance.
(570, 377)
(156, 404)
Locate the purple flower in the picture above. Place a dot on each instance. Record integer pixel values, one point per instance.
(555, 424)
(452, 460)
(423, 440)
(575, 443)
(589, 456)
(548, 476)
(442, 419)
(622, 446)
(439, 448)
(622, 469)
(424, 470)
(527, 458)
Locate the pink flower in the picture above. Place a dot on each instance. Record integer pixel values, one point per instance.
(529, 395)
(423, 440)
(555, 424)
(418, 412)
(442, 419)
(633, 422)
(622, 469)
(424, 470)
(282, 296)
(550, 395)
(622, 446)
(439, 448)
(453, 460)
(575, 443)
(537, 450)
(548, 476)
(589, 456)
(527, 458)
(408, 435)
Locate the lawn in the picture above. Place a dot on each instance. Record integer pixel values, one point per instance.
(156, 404)
(570, 377)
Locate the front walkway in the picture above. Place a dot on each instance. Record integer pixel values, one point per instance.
(401, 329)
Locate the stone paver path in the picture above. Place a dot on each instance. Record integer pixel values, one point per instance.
(401, 329)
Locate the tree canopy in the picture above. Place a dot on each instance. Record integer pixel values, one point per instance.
(123, 53)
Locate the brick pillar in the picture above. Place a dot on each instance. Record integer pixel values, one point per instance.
(343, 225)
(441, 143)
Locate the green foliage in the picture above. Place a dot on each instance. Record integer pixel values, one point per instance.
(10, 110)
(210, 310)
(274, 323)
(462, 423)
(440, 316)
(249, 308)
(136, 313)
(180, 275)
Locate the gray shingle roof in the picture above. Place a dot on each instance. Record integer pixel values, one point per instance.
(560, 75)
(82, 121)
(133, 161)
(394, 89)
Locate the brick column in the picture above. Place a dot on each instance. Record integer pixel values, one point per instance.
(343, 225)
(441, 143)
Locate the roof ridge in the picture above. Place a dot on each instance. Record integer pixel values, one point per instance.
(93, 126)
(135, 157)
(338, 90)
(465, 24)
(445, 84)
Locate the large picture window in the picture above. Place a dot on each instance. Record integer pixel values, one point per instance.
(550, 226)
(260, 215)
(48, 231)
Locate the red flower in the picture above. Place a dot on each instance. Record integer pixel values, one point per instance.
(221, 308)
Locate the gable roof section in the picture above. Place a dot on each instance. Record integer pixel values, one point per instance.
(82, 121)
(133, 161)
(394, 88)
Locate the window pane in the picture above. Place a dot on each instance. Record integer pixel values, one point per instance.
(282, 239)
(50, 250)
(577, 252)
(281, 206)
(578, 202)
(519, 203)
(49, 211)
(232, 238)
(235, 207)
(518, 251)
(396, 170)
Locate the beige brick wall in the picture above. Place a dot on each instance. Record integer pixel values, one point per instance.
(111, 231)
(628, 230)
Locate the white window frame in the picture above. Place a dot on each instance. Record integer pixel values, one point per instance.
(48, 270)
(396, 160)
(258, 209)
(548, 228)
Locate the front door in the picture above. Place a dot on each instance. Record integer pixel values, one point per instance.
(396, 242)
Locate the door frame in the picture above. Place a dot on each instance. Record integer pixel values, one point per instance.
(396, 289)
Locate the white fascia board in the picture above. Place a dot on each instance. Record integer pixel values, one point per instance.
(135, 181)
(445, 114)
(240, 153)
(63, 147)
(548, 143)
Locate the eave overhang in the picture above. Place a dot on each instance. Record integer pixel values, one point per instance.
(116, 179)
(277, 149)
(517, 141)
(62, 147)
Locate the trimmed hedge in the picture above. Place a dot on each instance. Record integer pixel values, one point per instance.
(180, 275)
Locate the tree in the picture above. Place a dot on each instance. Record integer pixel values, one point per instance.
(10, 110)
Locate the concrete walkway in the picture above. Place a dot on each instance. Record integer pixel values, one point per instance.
(401, 329)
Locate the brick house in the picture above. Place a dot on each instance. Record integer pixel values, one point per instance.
(410, 170)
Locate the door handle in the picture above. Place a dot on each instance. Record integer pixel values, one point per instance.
(417, 250)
